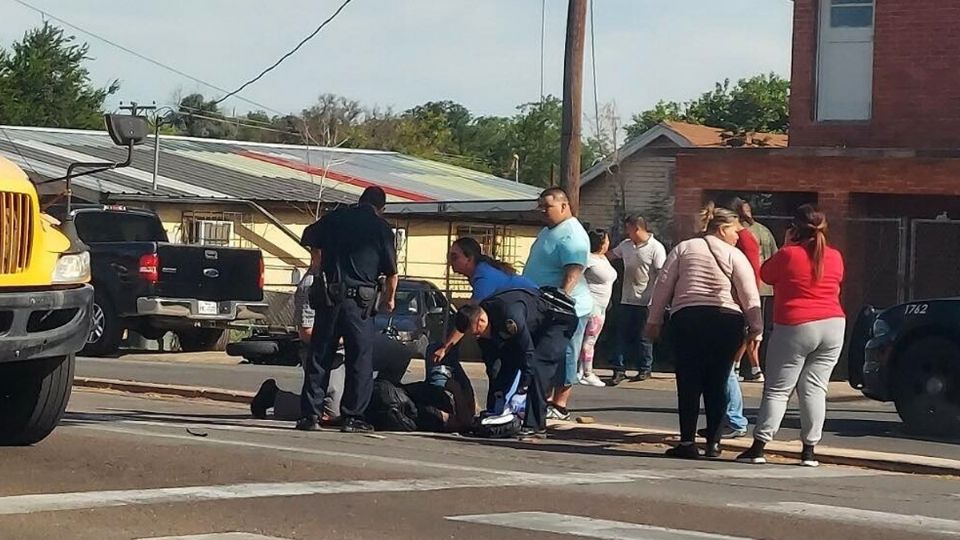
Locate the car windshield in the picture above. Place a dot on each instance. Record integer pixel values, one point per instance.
(408, 302)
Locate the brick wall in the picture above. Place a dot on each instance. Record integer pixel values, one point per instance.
(916, 93)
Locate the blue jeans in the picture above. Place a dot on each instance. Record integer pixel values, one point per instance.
(634, 349)
(568, 374)
(438, 374)
(734, 416)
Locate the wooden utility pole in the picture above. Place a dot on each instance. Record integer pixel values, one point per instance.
(572, 100)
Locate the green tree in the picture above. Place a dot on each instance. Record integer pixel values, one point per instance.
(663, 111)
(197, 117)
(43, 82)
(333, 120)
(535, 139)
(757, 104)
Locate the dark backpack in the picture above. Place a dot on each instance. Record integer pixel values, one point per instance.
(391, 409)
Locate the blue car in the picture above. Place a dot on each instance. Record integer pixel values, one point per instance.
(420, 317)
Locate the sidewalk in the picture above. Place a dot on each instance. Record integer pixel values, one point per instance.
(839, 391)
(855, 426)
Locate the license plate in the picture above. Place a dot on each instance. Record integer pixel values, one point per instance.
(207, 308)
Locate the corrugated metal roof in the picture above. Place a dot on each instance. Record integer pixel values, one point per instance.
(217, 169)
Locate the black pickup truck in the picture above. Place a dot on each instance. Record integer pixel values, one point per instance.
(146, 284)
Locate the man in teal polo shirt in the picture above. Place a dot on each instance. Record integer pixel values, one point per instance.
(557, 259)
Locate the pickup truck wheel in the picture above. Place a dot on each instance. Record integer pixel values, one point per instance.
(200, 339)
(33, 396)
(927, 393)
(105, 328)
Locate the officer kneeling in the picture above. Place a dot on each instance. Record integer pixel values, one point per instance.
(528, 331)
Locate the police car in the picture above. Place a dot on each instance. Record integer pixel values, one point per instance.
(910, 354)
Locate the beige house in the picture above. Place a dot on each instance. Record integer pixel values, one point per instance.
(262, 196)
(638, 177)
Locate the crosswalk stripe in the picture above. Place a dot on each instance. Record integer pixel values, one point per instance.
(218, 536)
(743, 472)
(47, 502)
(586, 527)
(842, 514)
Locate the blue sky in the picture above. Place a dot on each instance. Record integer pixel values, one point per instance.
(399, 53)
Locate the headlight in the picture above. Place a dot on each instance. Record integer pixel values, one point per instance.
(72, 268)
(880, 328)
(405, 335)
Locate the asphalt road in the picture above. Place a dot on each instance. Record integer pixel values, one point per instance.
(125, 467)
(861, 424)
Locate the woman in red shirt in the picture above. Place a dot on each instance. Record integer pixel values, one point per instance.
(808, 332)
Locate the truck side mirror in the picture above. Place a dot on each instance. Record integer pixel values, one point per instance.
(125, 129)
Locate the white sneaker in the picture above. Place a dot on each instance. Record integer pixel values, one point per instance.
(591, 379)
(554, 414)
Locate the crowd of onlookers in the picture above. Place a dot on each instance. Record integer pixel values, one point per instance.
(707, 299)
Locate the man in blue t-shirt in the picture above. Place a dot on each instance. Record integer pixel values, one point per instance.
(557, 259)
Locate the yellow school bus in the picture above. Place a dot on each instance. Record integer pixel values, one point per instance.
(45, 299)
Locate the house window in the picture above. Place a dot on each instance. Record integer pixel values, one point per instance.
(484, 235)
(400, 238)
(851, 13)
(845, 60)
(210, 228)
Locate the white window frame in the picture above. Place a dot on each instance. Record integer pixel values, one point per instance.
(839, 41)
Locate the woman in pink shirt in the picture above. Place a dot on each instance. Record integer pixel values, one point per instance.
(712, 293)
(808, 333)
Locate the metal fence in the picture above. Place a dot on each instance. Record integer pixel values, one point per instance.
(934, 271)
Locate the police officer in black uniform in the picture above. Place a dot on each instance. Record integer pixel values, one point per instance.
(528, 331)
(356, 247)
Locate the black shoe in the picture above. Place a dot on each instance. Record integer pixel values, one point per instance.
(618, 377)
(684, 451)
(264, 399)
(713, 450)
(642, 376)
(308, 423)
(807, 457)
(356, 425)
(754, 454)
(532, 434)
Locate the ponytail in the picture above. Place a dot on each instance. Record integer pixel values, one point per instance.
(816, 249)
(810, 230)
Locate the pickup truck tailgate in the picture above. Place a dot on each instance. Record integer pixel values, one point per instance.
(209, 273)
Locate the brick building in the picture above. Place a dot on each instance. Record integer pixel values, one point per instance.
(875, 105)
(639, 176)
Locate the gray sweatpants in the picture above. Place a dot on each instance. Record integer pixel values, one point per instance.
(800, 358)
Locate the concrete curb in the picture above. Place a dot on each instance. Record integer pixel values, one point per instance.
(868, 459)
(193, 392)
(884, 461)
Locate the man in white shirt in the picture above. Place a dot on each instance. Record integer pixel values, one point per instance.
(643, 257)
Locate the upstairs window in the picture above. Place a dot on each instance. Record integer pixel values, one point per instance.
(845, 60)
(851, 13)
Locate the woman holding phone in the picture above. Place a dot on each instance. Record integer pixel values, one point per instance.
(808, 333)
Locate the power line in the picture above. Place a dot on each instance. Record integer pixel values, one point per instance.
(287, 55)
(231, 121)
(157, 63)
